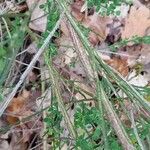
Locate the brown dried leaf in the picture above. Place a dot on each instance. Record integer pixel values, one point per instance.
(98, 25)
(76, 10)
(93, 38)
(137, 22)
(120, 65)
(145, 54)
(38, 20)
(17, 108)
(64, 27)
(80, 96)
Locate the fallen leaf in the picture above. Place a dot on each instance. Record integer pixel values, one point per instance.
(16, 110)
(4, 145)
(131, 53)
(144, 54)
(137, 22)
(120, 65)
(138, 80)
(76, 10)
(16, 142)
(38, 20)
(146, 3)
(98, 25)
(66, 51)
(32, 48)
(64, 27)
(93, 38)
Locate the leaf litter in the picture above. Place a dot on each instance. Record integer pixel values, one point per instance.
(103, 31)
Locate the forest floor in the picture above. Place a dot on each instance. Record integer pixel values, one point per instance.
(74, 75)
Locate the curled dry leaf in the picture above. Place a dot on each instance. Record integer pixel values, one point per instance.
(137, 22)
(114, 31)
(136, 54)
(66, 51)
(131, 53)
(120, 65)
(146, 3)
(38, 20)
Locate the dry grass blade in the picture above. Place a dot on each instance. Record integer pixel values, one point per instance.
(56, 89)
(115, 122)
(84, 57)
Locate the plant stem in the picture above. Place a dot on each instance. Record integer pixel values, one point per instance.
(56, 89)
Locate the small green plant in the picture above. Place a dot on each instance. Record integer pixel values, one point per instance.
(105, 8)
(14, 32)
(133, 40)
(89, 123)
(53, 121)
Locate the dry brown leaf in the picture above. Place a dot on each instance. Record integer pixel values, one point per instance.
(145, 54)
(64, 27)
(95, 22)
(120, 65)
(136, 54)
(16, 109)
(16, 142)
(145, 2)
(4, 145)
(137, 22)
(98, 25)
(93, 38)
(131, 53)
(66, 51)
(80, 96)
(38, 20)
(76, 10)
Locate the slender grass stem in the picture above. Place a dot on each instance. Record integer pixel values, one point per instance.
(56, 89)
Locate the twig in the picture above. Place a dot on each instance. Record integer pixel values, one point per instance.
(8, 99)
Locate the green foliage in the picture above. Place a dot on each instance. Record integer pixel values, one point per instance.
(88, 124)
(85, 116)
(12, 40)
(53, 119)
(83, 144)
(52, 10)
(105, 7)
(134, 40)
(114, 144)
(87, 120)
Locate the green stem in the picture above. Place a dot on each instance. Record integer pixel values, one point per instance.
(55, 84)
(100, 99)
